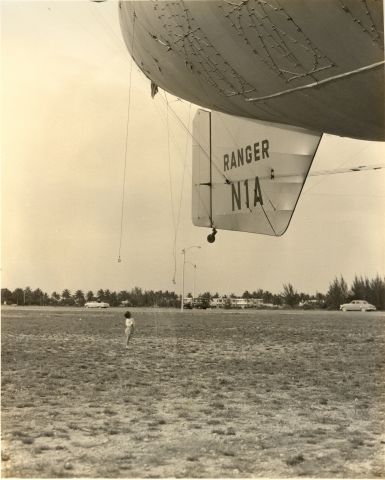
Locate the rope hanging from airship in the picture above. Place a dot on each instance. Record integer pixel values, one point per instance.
(211, 237)
(126, 142)
(163, 98)
(209, 156)
(164, 116)
(174, 222)
(181, 193)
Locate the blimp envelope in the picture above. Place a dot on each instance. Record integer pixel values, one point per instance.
(247, 174)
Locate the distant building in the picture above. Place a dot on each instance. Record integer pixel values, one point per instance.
(236, 302)
(217, 302)
(96, 305)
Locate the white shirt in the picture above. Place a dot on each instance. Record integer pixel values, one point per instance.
(129, 322)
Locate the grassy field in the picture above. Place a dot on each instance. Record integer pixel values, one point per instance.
(205, 394)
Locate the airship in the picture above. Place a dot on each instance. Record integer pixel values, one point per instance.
(270, 76)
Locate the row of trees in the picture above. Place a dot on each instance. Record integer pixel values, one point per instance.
(135, 297)
(372, 290)
(361, 289)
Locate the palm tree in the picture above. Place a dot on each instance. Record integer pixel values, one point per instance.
(79, 298)
(89, 296)
(290, 295)
(18, 296)
(338, 293)
(66, 297)
(55, 297)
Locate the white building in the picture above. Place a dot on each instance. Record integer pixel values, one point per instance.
(236, 302)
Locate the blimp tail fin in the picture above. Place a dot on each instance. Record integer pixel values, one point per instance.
(248, 175)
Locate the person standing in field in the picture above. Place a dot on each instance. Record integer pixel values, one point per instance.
(130, 324)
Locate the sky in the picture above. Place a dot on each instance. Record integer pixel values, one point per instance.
(67, 81)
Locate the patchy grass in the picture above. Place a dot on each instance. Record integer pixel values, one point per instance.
(205, 394)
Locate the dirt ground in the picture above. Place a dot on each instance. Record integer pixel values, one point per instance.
(213, 394)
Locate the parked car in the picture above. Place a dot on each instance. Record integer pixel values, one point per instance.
(201, 303)
(358, 305)
(96, 305)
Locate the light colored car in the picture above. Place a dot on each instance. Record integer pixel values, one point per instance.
(96, 305)
(358, 305)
